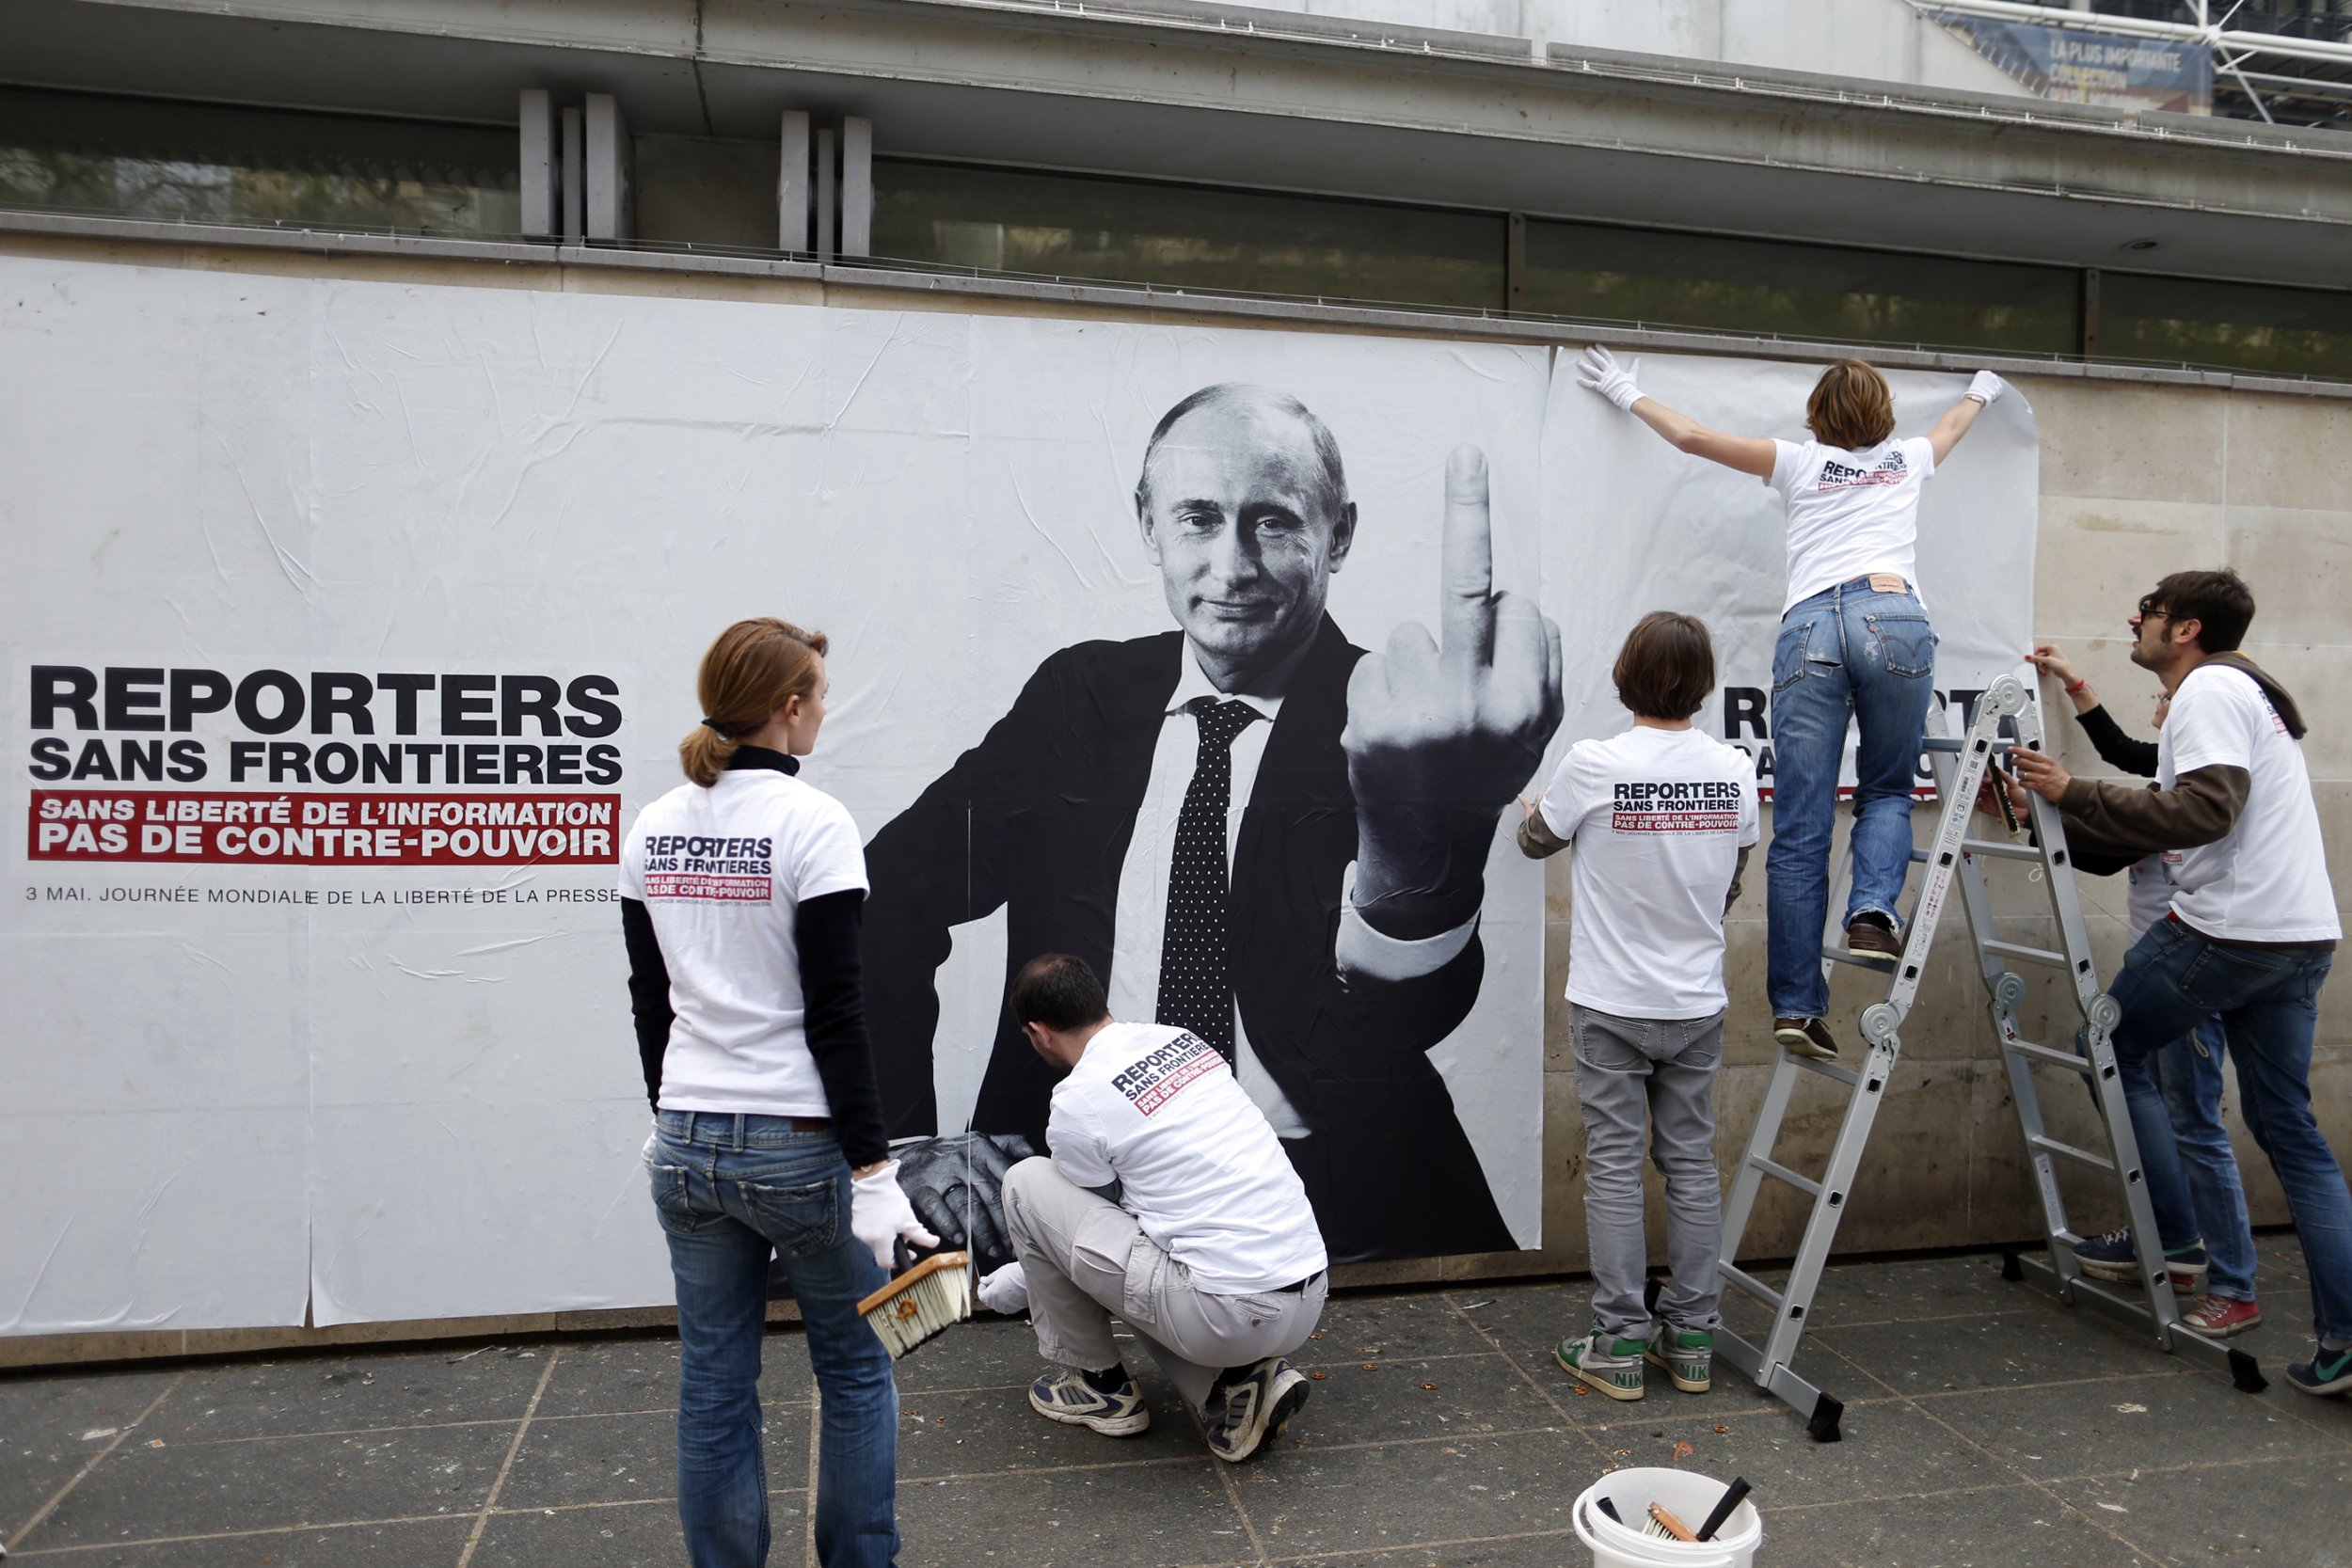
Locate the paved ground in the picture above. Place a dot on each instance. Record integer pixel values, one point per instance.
(1984, 1425)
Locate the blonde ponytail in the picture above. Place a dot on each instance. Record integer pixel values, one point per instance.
(747, 674)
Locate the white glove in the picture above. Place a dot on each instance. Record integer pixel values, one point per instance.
(879, 1214)
(1599, 370)
(644, 1155)
(1986, 388)
(1007, 1291)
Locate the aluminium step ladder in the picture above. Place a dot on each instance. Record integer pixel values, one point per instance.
(1956, 858)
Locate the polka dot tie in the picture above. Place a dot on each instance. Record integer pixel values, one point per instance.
(1196, 986)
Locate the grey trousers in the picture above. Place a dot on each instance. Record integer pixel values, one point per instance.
(1085, 1257)
(1662, 1069)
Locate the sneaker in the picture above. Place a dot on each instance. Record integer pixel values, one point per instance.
(2329, 1371)
(1688, 1355)
(1806, 1037)
(1064, 1396)
(1256, 1405)
(1605, 1362)
(1872, 937)
(2218, 1316)
(2111, 1257)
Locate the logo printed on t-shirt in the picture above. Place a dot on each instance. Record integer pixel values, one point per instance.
(1890, 470)
(709, 869)
(1154, 1080)
(1686, 806)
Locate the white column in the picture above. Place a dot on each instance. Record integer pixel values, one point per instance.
(792, 194)
(857, 187)
(542, 166)
(612, 209)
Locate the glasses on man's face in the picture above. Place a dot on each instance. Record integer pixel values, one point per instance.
(2150, 611)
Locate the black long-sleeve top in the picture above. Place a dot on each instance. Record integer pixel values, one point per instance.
(2115, 748)
(826, 932)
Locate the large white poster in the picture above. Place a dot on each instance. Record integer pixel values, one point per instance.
(352, 622)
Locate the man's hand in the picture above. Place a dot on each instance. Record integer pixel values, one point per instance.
(1439, 739)
(2038, 772)
(2049, 659)
(1005, 1291)
(948, 1179)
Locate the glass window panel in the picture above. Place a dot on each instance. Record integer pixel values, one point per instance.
(2239, 327)
(204, 164)
(1184, 237)
(1770, 288)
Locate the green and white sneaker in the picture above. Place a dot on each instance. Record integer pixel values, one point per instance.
(1688, 1355)
(1603, 1361)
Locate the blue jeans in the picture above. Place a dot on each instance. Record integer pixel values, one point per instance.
(2188, 1074)
(1847, 652)
(728, 1189)
(2269, 1002)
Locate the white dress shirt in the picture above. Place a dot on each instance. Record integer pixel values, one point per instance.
(1142, 907)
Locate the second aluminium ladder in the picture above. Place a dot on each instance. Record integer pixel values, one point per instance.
(1954, 858)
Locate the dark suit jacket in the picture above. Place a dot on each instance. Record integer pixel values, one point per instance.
(1037, 818)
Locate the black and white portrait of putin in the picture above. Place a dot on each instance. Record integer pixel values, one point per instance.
(1250, 827)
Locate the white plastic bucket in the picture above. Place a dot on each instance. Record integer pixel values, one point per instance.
(1691, 1497)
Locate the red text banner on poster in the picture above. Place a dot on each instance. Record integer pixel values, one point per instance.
(282, 828)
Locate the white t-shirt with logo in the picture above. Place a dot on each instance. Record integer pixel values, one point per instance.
(2267, 879)
(1658, 818)
(1850, 513)
(1157, 1110)
(722, 872)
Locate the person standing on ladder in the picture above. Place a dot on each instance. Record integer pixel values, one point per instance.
(1663, 818)
(2207, 1220)
(1854, 645)
(2251, 930)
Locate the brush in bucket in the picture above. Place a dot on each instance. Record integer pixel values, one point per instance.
(920, 1305)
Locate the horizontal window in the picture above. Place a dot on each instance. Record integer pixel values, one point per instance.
(1184, 237)
(1769, 287)
(2239, 327)
(195, 163)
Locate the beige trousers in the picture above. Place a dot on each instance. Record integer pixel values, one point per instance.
(1085, 1257)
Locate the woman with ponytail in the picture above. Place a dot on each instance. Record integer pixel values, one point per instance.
(740, 893)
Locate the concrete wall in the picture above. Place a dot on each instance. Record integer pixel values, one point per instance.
(1871, 40)
(2141, 475)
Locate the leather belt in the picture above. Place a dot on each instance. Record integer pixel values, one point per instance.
(1297, 1287)
(811, 1124)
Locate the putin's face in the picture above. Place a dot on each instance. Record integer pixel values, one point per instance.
(1238, 514)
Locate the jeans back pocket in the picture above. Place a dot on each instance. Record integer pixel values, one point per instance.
(1905, 642)
(1788, 653)
(801, 1220)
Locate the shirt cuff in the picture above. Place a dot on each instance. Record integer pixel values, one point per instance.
(1362, 950)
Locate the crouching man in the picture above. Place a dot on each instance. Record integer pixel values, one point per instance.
(1166, 1199)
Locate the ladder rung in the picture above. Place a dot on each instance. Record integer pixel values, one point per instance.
(1735, 1275)
(1804, 1184)
(1839, 956)
(2068, 1151)
(2029, 955)
(1994, 849)
(2067, 1059)
(1827, 1070)
(1943, 743)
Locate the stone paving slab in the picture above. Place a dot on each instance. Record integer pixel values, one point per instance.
(1985, 1424)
